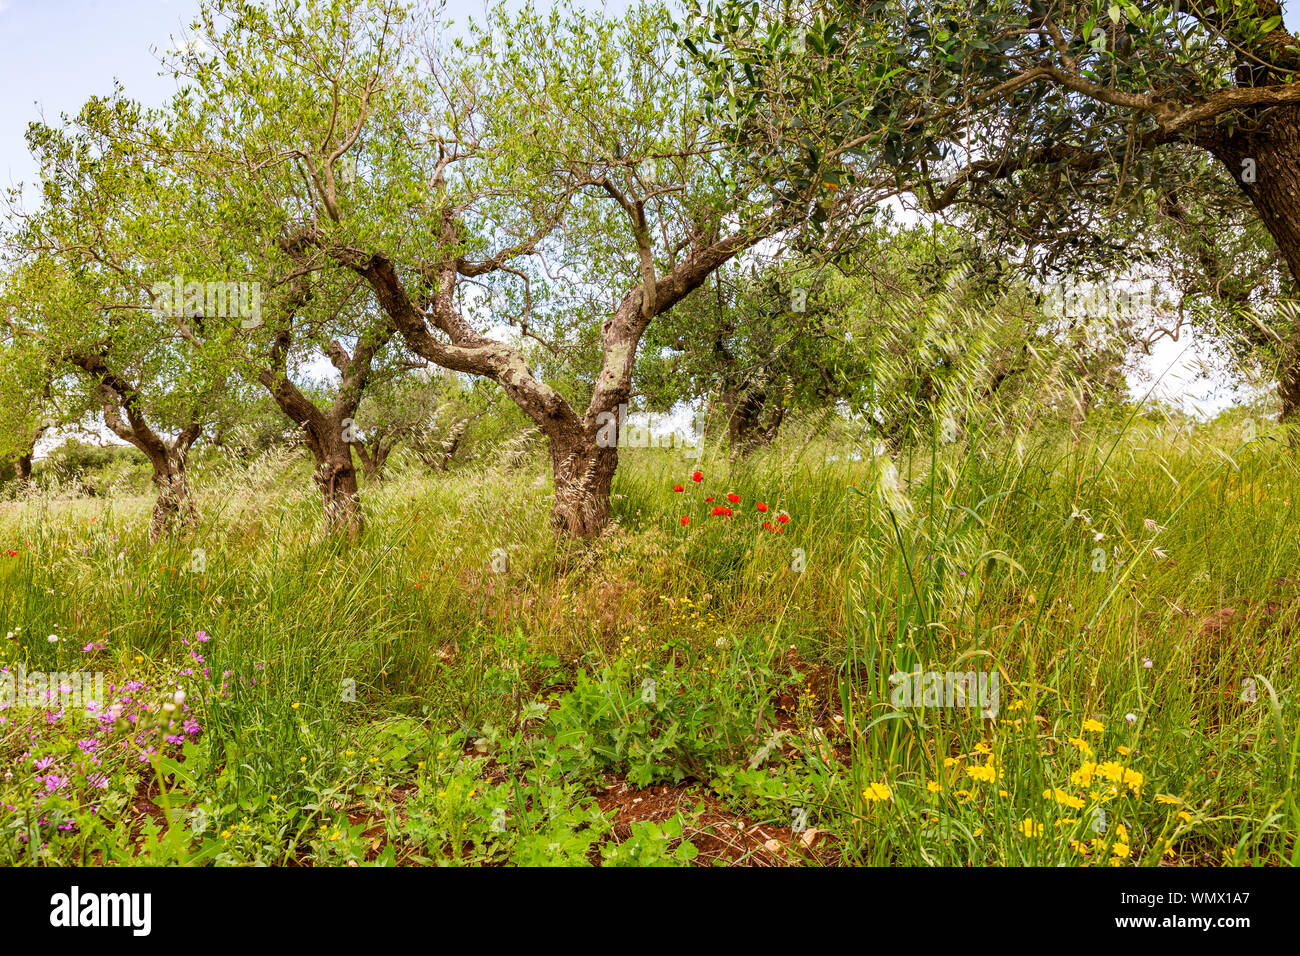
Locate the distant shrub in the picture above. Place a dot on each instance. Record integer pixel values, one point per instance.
(95, 470)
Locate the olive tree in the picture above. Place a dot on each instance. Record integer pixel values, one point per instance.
(83, 294)
(1076, 128)
(488, 188)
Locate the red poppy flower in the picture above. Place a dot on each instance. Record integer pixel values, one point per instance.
(767, 526)
(12, 554)
(678, 488)
(760, 506)
(697, 477)
(722, 510)
(784, 519)
(733, 497)
(686, 519)
(707, 500)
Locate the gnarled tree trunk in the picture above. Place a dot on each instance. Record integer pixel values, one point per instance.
(1264, 158)
(173, 507)
(437, 331)
(584, 475)
(326, 436)
(374, 455)
(329, 434)
(336, 477)
(753, 418)
(124, 414)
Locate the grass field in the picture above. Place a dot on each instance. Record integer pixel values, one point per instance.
(456, 686)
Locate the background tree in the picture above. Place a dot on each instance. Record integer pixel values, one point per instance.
(81, 292)
(915, 328)
(429, 413)
(27, 403)
(1062, 126)
(247, 423)
(752, 344)
(328, 417)
(496, 163)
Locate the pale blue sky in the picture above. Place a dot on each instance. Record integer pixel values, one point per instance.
(55, 54)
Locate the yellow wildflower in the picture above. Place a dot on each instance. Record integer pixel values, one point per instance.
(1133, 780)
(1064, 799)
(1110, 770)
(877, 791)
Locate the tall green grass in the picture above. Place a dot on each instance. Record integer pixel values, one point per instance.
(487, 687)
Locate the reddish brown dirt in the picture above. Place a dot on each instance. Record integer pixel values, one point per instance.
(721, 836)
